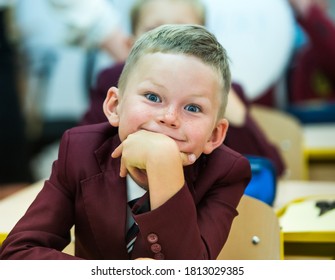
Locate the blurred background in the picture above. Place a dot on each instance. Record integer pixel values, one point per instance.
(59, 57)
(52, 51)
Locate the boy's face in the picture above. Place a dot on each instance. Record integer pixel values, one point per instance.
(172, 94)
(156, 13)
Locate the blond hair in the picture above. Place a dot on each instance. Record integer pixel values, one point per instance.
(185, 39)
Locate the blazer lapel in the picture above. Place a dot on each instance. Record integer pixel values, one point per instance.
(105, 200)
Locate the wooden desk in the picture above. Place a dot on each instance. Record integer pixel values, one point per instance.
(289, 190)
(304, 231)
(319, 151)
(13, 208)
(319, 141)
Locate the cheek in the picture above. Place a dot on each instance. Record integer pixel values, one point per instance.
(199, 130)
(132, 120)
(197, 137)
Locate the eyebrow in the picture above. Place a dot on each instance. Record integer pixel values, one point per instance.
(148, 82)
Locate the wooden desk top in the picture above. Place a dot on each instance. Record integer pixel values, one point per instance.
(13, 207)
(298, 214)
(301, 221)
(320, 141)
(289, 190)
(303, 215)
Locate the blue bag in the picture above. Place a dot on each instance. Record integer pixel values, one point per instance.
(263, 183)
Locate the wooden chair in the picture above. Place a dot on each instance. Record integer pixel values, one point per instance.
(284, 131)
(255, 233)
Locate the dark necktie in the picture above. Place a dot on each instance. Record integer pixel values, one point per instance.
(134, 230)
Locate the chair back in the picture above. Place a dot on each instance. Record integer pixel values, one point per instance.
(255, 233)
(285, 131)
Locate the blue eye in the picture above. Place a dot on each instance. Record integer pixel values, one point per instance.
(152, 97)
(193, 108)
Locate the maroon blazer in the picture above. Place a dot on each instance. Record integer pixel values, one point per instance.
(248, 139)
(85, 190)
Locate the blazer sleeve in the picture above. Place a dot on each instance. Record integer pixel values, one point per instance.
(196, 225)
(44, 231)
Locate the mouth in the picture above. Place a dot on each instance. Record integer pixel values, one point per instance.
(175, 139)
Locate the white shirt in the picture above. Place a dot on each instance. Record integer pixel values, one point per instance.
(133, 191)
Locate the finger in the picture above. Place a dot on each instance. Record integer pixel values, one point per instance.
(187, 159)
(123, 169)
(117, 152)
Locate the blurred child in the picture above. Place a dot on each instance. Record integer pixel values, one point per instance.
(312, 78)
(92, 23)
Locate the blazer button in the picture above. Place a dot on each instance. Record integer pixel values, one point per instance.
(159, 256)
(152, 238)
(156, 248)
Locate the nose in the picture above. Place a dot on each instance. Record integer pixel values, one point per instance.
(169, 117)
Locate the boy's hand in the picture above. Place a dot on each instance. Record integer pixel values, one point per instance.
(154, 161)
(140, 146)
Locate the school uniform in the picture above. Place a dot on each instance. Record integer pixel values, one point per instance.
(85, 190)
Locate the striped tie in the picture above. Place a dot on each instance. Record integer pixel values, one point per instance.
(131, 237)
(134, 230)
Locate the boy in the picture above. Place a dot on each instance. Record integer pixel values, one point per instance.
(147, 14)
(165, 147)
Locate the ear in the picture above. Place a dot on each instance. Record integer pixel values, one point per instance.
(217, 137)
(110, 106)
